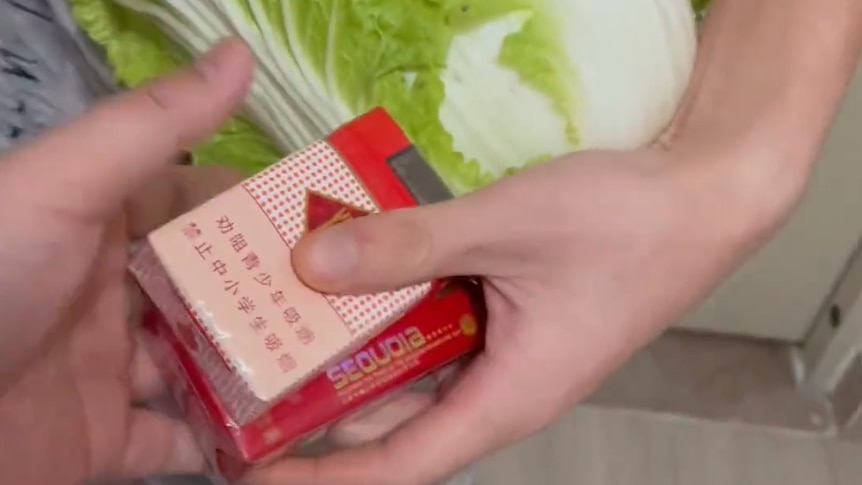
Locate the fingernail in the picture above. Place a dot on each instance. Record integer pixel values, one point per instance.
(334, 255)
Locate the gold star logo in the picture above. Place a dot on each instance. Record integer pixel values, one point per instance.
(468, 325)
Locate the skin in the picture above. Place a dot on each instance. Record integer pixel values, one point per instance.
(588, 258)
(618, 246)
(70, 370)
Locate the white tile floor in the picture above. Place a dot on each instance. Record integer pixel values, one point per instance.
(594, 446)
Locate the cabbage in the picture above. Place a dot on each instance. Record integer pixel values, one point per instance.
(482, 87)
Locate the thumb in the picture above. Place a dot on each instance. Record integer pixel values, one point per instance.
(87, 168)
(402, 247)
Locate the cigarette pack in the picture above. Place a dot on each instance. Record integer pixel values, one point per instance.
(259, 362)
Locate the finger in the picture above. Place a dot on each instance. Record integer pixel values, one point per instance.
(138, 303)
(146, 379)
(447, 377)
(398, 248)
(89, 167)
(159, 445)
(451, 435)
(381, 420)
(178, 190)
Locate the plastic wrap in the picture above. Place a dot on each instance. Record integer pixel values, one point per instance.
(260, 363)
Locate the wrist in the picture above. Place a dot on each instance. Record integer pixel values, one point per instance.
(728, 187)
(771, 70)
(767, 84)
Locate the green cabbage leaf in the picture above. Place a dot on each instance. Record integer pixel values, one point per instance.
(484, 88)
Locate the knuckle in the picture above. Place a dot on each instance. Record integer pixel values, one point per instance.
(398, 238)
(158, 98)
(169, 100)
(418, 236)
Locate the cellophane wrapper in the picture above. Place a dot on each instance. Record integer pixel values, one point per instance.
(261, 365)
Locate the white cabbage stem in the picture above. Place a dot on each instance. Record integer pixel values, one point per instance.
(587, 74)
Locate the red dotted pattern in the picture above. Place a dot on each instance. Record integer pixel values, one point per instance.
(282, 192)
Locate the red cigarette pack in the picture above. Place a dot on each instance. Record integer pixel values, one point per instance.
(261, 364)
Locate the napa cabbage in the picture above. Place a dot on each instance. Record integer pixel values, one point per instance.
(482, 87)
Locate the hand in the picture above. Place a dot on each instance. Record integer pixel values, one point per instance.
(584, 260)
(69, 367)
